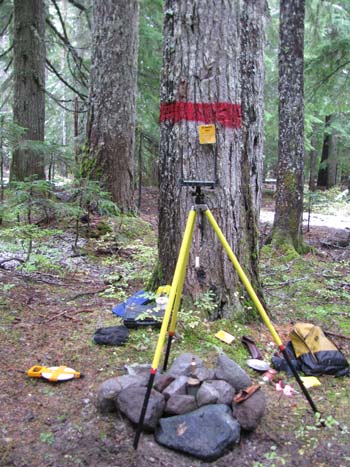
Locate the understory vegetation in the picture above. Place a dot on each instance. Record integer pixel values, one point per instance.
(53, 302)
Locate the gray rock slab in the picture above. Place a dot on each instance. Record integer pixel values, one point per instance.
(225, 391)
(180, 403)
(182, 365)
(163, 382)
(250, 411)
(178, 386)
(130, 401)
(108, 391)
(230, 371)
(207, 394)
(202, 373)
(205, 433)
(141, 369)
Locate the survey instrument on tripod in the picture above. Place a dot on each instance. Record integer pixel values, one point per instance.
(171, 312)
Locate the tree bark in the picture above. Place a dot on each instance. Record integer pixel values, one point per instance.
(287, 227)
(252, 92)
(202, 69)
(312, 163)
(322, 178)
(333, 162)
(29, 85)
(111, 125)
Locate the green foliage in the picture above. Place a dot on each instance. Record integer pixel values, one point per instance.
(138, 268)
(200, 309)
(149, 66)
(333, 201)
(47, 437)
(327, 66)
(28, 201)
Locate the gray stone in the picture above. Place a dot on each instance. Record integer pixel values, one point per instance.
(132, 380)
(207, 394)
(163, 381)
(182, 365)
(250, 411)
(225, 391)
(204, 433)
(203, 373)
(130, 402)
(178, 386)
(138, 369)
(108, 391)
(230, 371)
(180, 403)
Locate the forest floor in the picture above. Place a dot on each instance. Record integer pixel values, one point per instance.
(48, 317)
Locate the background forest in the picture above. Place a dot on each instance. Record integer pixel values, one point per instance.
(68, 59)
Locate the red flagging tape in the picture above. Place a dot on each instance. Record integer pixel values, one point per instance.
(229, 115)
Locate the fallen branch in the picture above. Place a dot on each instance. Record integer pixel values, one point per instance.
(333, 334)
(65, 315)
(19, 260)
(71, 318)
(57, 315)
(284, 284)
(82, 294)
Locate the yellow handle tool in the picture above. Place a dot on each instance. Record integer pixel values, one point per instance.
(56, 373)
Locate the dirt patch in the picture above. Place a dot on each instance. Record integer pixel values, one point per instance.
(50, 319)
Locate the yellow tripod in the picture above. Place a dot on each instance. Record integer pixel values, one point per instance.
(170, 316)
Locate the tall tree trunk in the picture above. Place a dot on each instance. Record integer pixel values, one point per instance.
(252, 92)
(333, 162)
(29, 85)
(111, 126)
(287, 227)
(201, 83)
(322, 179)
(312, 163)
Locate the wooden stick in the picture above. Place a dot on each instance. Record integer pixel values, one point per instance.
(333, 334)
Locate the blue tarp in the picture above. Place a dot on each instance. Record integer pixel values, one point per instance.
(139, 298)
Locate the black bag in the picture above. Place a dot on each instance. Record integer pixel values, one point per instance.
(114, 335)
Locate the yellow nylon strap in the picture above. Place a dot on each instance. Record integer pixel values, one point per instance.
(61, 370)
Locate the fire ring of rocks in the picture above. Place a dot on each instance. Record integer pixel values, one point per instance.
(191, 407)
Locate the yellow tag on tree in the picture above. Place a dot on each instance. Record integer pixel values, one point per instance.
(207, 134)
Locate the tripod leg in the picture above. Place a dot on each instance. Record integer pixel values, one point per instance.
(178, 274)
(176, 307)
(258, 304)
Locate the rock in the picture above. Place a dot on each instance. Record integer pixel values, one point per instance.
(180, 403)
(138, 369)
(204, 433)
(250, 411)
(108, 391)
(230, 371)
(182, 365)
(130, 401)
(225, 391)
(107, 394)
(163, 381)
(202, 373)
(207, 394)
(178, 386)
(142, 371)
